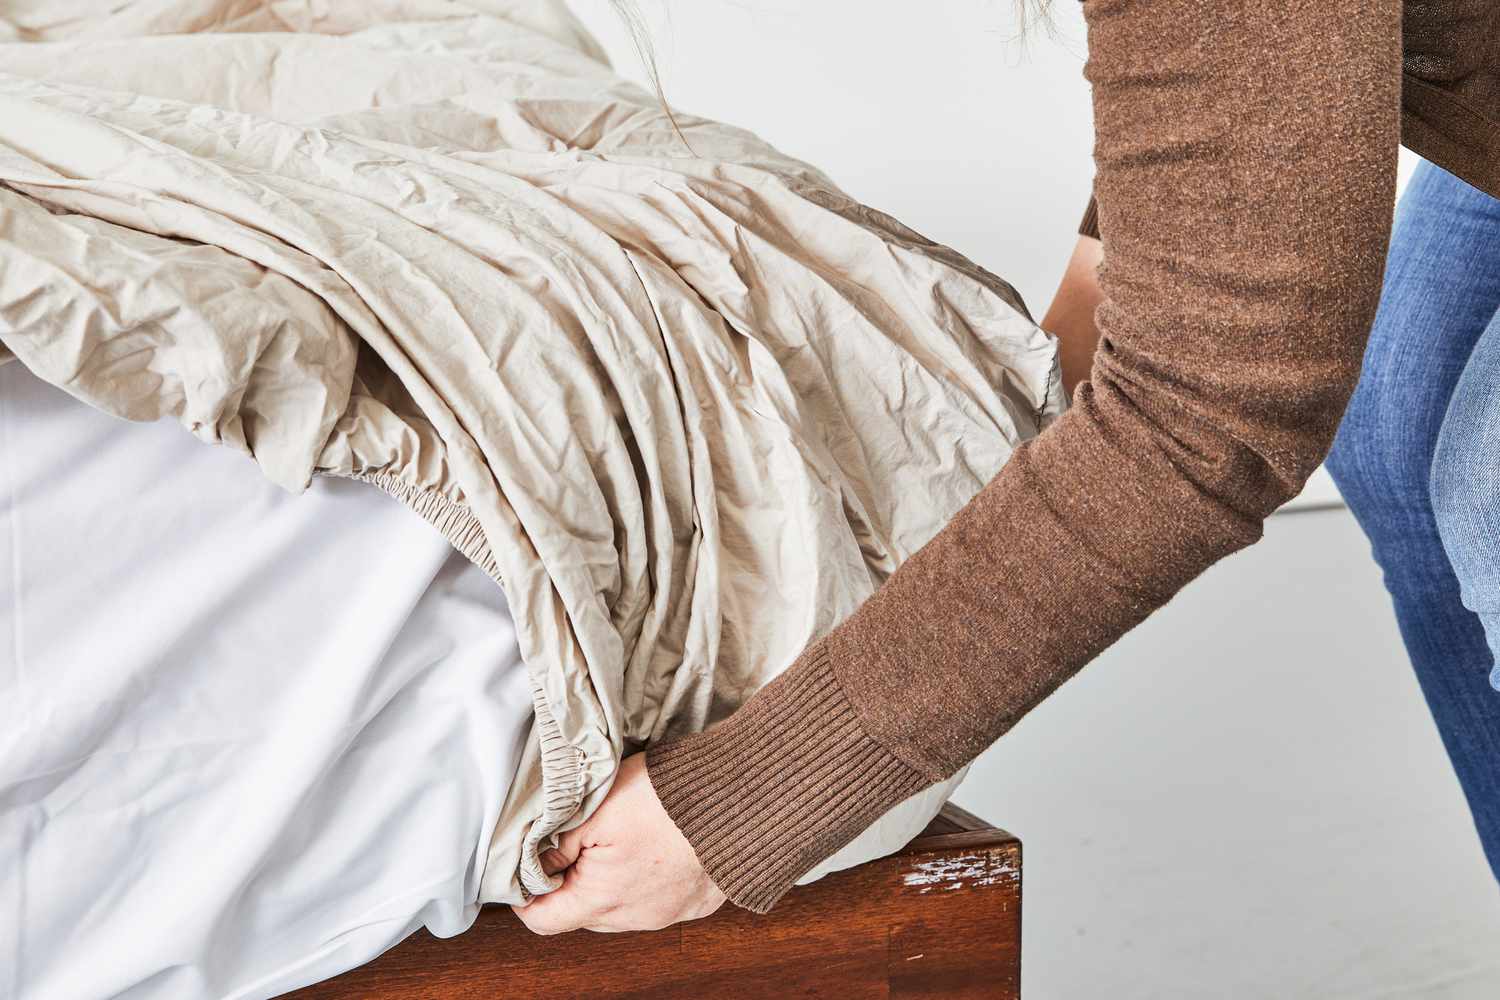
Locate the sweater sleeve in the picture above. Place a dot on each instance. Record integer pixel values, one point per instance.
(1245, 173)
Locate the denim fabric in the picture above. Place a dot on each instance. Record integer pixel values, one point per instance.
(1466, 473)
(1417, 457)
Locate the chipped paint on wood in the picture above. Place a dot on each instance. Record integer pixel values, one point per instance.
(958, 871)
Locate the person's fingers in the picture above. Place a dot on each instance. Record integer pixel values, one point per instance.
(569, 846)
(559, 911)
(621, 920)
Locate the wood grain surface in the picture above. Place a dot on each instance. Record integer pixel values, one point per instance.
(940, 918)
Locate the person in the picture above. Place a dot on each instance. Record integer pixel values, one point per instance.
(1245, 179)
(1415, 459)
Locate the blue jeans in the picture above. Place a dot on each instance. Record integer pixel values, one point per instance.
(1418, 460)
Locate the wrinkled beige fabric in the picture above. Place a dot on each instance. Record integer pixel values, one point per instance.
(689, 408)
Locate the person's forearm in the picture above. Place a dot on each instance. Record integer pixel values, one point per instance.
(1245, 179)
(804, 715)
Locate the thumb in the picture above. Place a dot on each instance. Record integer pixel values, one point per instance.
(569, 846)
(565, 909)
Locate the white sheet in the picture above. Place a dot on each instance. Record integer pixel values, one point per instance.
(213, 782)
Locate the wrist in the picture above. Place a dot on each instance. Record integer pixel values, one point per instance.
(779, 785)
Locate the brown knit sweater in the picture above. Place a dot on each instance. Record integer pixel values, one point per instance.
(1245, 179)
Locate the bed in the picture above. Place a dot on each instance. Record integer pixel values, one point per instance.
(940, 917)
(633, 405)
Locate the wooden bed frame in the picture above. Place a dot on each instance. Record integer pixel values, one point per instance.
(939, 918)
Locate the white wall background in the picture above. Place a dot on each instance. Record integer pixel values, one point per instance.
(929, 111)
(1246, 797)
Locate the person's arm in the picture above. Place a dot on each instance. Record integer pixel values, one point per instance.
(1070, 317)
(1245, 180)
(1245, 177)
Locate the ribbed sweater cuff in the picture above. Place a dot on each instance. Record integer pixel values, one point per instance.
(780, 785)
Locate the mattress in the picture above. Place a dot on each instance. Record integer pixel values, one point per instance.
(223, 771)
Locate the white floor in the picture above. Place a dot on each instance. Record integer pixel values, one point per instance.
(1247, 798)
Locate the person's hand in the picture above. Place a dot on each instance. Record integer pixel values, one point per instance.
(628, 868)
